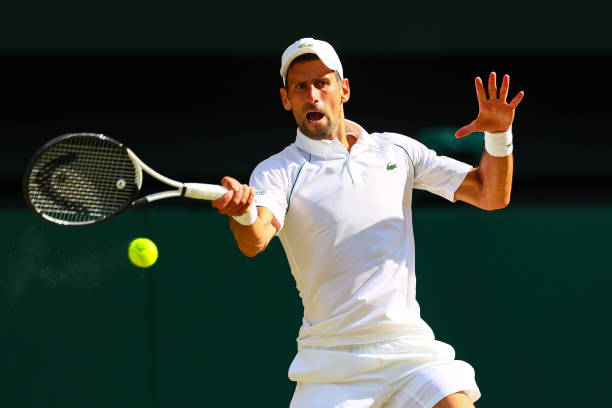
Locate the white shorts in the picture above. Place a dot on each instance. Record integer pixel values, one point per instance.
(402, 373)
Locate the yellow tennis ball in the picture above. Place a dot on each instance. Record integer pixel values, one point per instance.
(142, 252)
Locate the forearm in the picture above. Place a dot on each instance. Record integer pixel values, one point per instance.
(489, 185)
(495, 175)
(254, 238)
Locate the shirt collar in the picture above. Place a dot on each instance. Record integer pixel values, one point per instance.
(322, 147)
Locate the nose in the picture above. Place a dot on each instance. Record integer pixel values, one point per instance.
(313, 93)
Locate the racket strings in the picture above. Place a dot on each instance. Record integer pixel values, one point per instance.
(82, 179)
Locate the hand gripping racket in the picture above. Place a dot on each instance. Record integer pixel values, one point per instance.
(87, 178)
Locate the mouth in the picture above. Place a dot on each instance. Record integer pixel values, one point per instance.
(314, 117)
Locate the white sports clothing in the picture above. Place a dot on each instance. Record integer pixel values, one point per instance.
(346, 227)
(400, 373)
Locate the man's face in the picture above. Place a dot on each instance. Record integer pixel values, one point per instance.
(316, 96)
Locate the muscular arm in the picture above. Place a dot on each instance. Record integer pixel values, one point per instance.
(253, 239)
(488, 186)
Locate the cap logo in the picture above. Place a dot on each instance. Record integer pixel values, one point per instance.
(304, 45)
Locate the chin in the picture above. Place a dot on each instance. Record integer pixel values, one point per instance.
(319, 132)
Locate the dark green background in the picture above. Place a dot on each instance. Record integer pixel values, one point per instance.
(521, 294)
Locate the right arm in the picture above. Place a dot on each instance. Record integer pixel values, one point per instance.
(254, 238)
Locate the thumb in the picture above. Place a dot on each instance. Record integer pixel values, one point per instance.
(230, 183)
(464, 131)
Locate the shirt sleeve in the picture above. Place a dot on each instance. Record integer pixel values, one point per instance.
(440, 175)
(270, 182)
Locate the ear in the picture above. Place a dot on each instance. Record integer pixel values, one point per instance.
(346, 90)
(285, 99)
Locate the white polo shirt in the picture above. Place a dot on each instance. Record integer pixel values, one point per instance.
(346, 227)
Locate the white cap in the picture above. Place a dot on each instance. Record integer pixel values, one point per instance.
(323, 50)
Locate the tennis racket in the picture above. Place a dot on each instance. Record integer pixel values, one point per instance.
(87, 178)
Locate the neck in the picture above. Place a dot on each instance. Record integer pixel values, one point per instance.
(347, 140)
(340, 134)
(350, 134)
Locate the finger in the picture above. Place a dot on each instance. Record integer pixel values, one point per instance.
(480, 92)
(240, 202)
(221, 202)
(464, 131)
(224, 203)
(503, 91)
(251, 196)
(492, 85)
(245, 195)
(236, 199)
(230, 183)
(516, 100)
(247, 199)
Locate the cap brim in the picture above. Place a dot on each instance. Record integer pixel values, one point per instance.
(297, 53)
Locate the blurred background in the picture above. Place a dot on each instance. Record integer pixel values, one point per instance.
(192, 88)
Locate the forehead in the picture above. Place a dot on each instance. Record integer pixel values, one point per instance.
(305, 70)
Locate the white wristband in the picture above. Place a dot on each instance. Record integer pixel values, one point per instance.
(499, 144)
(249, 217)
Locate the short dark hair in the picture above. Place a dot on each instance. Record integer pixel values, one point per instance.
(302, 58)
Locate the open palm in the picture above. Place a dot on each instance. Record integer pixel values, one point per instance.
(495, 114)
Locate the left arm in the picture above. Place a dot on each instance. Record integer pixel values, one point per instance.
(488, 186)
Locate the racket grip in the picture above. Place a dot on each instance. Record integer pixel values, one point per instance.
(204, 191)
(212, 192)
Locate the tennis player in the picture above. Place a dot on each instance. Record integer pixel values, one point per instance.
(339, 198)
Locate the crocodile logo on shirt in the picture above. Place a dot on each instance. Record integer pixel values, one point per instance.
(391, 166)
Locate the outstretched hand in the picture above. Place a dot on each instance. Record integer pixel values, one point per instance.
(495, 114)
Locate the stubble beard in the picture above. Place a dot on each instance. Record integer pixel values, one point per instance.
(326, 132)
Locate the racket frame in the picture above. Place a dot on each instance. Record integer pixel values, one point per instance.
(190, 190)
(59, 139)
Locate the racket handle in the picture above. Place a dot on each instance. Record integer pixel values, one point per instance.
(204, 191)
(212, 192)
